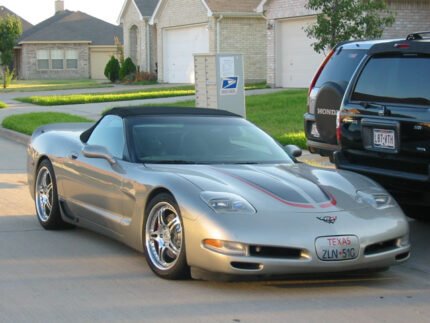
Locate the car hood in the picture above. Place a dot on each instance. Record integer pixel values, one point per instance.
(298, 187)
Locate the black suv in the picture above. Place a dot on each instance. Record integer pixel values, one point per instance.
(384, 121)
(326, 92)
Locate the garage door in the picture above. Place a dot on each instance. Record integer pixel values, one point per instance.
(99, 60)
(297, 60)
(179, 45)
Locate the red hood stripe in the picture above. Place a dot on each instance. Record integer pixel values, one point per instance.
(259, 188)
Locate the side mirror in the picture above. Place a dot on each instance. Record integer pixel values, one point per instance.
(95, 151)
(293, 151)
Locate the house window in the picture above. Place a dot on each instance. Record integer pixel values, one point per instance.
(42, 59)
(133, 44)
(71, 59)
(57, 59)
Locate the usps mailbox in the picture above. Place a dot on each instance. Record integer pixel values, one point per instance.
(220, 82)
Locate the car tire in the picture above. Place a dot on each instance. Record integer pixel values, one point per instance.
(164, 238)
(46, 198)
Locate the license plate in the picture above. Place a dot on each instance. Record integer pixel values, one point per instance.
(337, 248)
(314, 131)
(384, 138)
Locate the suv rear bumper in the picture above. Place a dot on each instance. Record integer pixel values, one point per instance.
(343, 163)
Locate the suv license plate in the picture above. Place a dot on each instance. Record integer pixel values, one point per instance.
(337, 248)
(384, 138)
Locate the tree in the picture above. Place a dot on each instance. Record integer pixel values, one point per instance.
(112, 69)
(127, 68)
(341, 20)
(10, 31)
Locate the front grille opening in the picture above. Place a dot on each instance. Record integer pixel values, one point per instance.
(246, 265)
(402, 256)
(275, 252)
(380, 247)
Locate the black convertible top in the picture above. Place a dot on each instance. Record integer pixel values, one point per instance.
(156, 111)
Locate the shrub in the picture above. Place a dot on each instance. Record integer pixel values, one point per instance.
(112, 69)
(146, 76)
(3, 105)
(127, 69)
(8, 76)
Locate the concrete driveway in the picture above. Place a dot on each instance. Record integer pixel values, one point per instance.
(79, 276)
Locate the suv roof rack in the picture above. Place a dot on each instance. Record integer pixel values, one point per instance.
(418, 35)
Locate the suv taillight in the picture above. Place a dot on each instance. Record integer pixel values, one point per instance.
(320, 69)
(338, 127)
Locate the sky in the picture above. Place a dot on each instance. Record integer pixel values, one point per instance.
(35, 11)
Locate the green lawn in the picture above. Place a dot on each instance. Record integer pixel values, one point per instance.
(3, 105)
(28, 122)
(280, 114)
(52, 85)
(151, 93)
(109, 97)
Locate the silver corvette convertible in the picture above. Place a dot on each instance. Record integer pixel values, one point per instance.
(202, 190)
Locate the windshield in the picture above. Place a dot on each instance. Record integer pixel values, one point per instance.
(201, 140)
(401, 79)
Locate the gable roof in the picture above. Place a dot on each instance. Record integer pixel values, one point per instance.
(222, 7)
(144, 7)
(5, 11)
(69, 26)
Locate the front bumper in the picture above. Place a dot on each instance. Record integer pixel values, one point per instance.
(382, 242)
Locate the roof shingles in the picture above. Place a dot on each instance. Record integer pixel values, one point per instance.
(73, 26)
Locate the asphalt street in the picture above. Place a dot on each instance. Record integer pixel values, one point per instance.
(80, 276)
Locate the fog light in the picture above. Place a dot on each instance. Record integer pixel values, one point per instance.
(225, 247)
(403, 241)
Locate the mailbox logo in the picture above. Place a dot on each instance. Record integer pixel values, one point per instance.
(229, 85)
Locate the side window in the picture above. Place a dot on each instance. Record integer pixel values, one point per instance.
(109, 133)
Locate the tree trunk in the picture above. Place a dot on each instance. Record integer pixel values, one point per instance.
(3, 70)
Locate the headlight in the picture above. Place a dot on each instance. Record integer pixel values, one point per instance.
(227, 203)
(377, 199)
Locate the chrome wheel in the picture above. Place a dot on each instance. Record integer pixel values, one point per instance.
(44, 194)
(163, 236)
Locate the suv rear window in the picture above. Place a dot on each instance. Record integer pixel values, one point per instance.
(395, 79)
(341, 66)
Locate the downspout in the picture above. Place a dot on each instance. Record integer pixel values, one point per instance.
(148, 49)
(218, 33)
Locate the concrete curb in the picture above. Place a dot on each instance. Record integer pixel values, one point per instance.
(14, 136)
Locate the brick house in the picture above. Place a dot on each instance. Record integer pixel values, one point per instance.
(186, 27)
(68, 45)
(140, 42)
(291, 61)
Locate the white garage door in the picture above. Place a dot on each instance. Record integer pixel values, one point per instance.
(179, 46)
(298, 61)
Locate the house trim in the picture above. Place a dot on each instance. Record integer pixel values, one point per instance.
(157, 9)
(123, 9)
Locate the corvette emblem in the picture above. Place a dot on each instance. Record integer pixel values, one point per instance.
(328, 219)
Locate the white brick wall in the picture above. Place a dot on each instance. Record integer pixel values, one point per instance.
(246, 36)
(129, 19)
